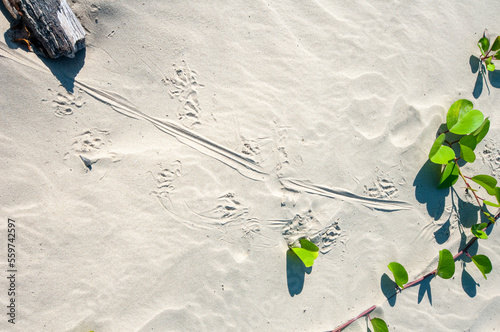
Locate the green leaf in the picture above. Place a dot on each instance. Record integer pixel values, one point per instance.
(457, 108)
(379, 325)
(467, 154)
(439, 153)
(487, 182)
(484, 45)
(307, 253)
(306, 256)
(446, 265)
(469, 141)
(399, 272)
(491, 204)
(450, 176)
(468, 122)
(497, 194)
(489, 65)
(497, 56)
(467, 145)
(478, 232)
(483, 263)
(496, 44)
(481, 132)
(308, 245)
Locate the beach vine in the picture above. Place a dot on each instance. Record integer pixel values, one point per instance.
(454, 147)
(486, 52)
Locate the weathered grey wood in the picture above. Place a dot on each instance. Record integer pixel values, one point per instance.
(51, 26)
(11, 7)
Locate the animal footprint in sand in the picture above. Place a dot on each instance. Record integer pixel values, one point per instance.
(89, 147)
(491, 156)
(90, 141)
(165, 178)
(309, 227)
(382, 188)
(185, 88)
(63, 101)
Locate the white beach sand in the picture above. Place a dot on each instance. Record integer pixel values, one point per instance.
(219, 131)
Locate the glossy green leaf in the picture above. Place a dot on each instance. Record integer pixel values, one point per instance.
(483, 263)
(497, 56)
(491, 203)
(481, 132)
(487, 182)
(470, 141)
(496, 44)
(306, 256)
(307, 253)
(446, 265)
(439, 153)
(450, 176)
(478, 231)
(308, 245)
(467, 146)
(467, 122)
(497, 194)
(484, 45)
(399, 272)
(489, 65)
(467, 154)
(379, 325)
(461, 106)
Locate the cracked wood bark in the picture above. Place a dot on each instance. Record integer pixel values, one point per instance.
(49, 25)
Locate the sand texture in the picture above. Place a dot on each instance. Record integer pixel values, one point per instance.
(157, 178)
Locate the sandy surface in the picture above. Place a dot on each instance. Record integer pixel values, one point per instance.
(218, 132)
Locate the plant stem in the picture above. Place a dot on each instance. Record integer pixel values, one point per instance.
(346, 324)
(469, 187)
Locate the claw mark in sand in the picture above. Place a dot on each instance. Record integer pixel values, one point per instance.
(375, 203)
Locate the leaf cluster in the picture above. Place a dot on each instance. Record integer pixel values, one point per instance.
(487, 53)
(466, 128)
(445, 268)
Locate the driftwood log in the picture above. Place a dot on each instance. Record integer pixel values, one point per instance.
(48, 26)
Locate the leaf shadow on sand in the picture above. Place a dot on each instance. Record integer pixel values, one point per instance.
(426, 191)
(295, 273)
(492, 76)
(389, 288)
(425, 287)
(469, 284)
